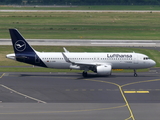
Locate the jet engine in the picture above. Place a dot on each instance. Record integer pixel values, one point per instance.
(104, 70)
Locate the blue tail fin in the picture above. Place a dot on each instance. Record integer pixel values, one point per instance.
(19, 43)
(23, 51)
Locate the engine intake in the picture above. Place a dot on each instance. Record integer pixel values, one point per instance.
(104, 70)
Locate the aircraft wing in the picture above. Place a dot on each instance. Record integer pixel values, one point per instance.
(81, 63)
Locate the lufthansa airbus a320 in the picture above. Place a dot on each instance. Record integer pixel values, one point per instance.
(100, 63)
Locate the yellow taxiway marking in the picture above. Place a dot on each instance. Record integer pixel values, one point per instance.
(129, 91)
(142, 91)
(2, 75)
(154, 80)
(117, 69)
(47, 112)
(83, 89)
(136, 91)
(122, 93)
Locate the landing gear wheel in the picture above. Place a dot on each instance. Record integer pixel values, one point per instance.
(135, 74)
(84, 74)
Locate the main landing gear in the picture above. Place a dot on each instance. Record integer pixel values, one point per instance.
(135, 74)
(85, 74)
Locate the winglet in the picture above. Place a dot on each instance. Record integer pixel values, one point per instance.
(65, 50)
(66, 59)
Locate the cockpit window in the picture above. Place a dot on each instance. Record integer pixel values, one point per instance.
(146, 58)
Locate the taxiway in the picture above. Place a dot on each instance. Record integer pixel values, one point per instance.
(68, 96)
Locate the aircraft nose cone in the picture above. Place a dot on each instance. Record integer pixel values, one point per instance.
(153, 63)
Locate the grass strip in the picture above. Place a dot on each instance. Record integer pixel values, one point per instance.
(132, 26)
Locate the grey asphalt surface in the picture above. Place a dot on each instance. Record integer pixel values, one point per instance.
(68, 96)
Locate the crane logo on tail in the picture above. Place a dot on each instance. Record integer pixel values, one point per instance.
(20, 45)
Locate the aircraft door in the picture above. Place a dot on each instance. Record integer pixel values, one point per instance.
(135, 59)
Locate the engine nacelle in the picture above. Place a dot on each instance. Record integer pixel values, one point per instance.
(104, 70)
(75, 67)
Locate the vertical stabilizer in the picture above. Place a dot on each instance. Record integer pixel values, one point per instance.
(23, 51)
(20, 45)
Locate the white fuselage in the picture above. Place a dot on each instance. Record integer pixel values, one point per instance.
(116, 60)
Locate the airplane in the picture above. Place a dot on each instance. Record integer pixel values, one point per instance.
(100, 63)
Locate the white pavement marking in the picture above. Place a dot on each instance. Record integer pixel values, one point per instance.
(26, 96)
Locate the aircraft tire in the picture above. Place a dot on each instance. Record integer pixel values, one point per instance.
(135, 75)
(84, 74)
